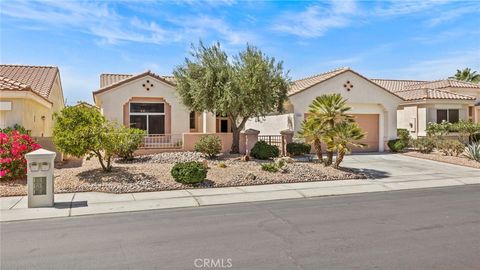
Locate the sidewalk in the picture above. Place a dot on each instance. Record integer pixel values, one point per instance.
(91, 203)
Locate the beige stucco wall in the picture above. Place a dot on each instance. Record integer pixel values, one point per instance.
(271, 124)
(112, 101)
(364, 98)
(27, 109)
(28, 113)
(415, 117)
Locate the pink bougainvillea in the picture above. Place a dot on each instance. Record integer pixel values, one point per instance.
(13, 147)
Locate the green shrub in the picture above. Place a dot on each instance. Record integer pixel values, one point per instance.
(451, 147)
(296, 149)
(222, 165)
(438, 130)
(396, 145)
(404, 136)
(279, 162)
(189, 172)
(209, 145)
(467, 130)
(83, 131)
(16, 127)
(424, 144)
(473, 151)
(270, 167)
(128, 140)
(262, 150)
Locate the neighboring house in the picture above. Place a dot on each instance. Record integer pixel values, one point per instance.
(149, 101)
(380, 106)
(29, 96)
(433, 101)
(374, 107)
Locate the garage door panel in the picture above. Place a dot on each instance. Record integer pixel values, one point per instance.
(369, 124)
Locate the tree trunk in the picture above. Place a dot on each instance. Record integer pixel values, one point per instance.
(236, 134)
(100, 159)
(318, 149)
(330, 153)
(339, 160)
(109, 164)
(329, 158)
(236, 141)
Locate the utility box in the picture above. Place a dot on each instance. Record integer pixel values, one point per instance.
(40, 165)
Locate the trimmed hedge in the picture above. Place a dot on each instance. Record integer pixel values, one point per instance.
(396, 145)
(189, 172)
(262, 150)
(297, 149)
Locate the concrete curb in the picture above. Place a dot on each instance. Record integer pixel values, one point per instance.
(93, 203)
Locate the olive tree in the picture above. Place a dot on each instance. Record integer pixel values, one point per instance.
(80, 131)
(250, 85)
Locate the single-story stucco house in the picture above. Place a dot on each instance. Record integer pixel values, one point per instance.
(29, 96)
(149, 101)
(380, 106)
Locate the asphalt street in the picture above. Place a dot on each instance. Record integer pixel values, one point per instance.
(416, 229)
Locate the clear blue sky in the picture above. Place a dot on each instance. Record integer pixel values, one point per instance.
(387, 39)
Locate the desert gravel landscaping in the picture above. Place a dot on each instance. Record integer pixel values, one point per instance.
(437, 156)
(152, 173)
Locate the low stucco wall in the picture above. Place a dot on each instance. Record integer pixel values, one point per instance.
(190, 139)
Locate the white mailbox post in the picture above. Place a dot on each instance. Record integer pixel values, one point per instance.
(40, 178)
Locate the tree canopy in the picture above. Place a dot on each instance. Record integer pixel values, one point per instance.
(250, 85)
(466, 75)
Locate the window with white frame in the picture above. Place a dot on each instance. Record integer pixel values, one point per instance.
(448, 115)
(148, 116)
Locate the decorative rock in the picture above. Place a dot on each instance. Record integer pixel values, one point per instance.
(205, 164)
(245, 158)
(250, 177)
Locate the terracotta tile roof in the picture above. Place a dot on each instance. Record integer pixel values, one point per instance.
(107, 79)
(8, 84)
(427, 93)
(119, 79)
(305, 83)
(170, 79)
(302, 84)
(395, 85)
(439, 84)
(39, 78)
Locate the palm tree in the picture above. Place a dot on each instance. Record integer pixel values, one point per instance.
(466, 75)
(312, 131)
(343, 137)
(327, 111)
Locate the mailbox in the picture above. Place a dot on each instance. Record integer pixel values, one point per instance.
(40, 165)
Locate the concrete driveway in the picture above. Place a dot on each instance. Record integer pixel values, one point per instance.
(396, 167)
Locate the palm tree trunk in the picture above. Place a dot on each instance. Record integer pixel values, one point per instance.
(339, 159)
(318, 149)
(329, 158)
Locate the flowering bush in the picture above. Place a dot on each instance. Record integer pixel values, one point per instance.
(13, 147)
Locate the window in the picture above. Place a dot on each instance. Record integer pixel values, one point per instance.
(148, 116)
(147, 108)
(450, 115)
(193, 122)
(453, 116)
